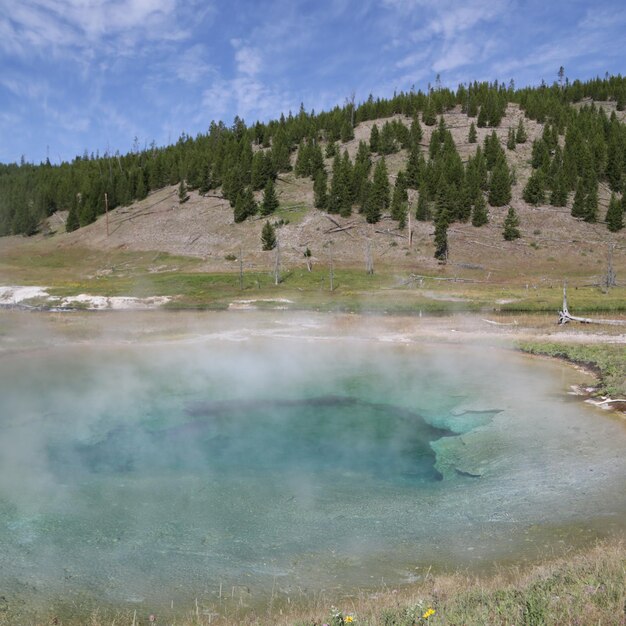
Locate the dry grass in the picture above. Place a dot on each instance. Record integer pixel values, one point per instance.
(582, 589)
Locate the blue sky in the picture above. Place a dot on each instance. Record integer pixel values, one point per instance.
(92, 75)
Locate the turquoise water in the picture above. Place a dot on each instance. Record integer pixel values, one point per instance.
(153, 473)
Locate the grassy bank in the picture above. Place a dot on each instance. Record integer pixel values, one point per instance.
(607, 360)
(585, 588)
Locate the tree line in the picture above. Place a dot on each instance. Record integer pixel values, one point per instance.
(580, 148)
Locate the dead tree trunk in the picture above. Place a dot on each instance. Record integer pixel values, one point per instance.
(565, 316)
(277, 265)
(369, 261)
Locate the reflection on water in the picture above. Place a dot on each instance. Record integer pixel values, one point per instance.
(154, 471)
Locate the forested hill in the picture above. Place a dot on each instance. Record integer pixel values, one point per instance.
(581, 146)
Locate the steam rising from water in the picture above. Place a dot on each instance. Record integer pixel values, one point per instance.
(155, 469)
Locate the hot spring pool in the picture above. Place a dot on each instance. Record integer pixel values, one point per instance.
(286, 457)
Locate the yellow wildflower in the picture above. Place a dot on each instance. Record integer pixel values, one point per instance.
(349, 619)
(428, 613)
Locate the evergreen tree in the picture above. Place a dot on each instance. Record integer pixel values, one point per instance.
(441, 235)
(303, 160)
(347, 132)
(510, 142)
(472, 136)
(615, 162)
(520, 135)
(320, 189)
(182, 192)
(482, 117)
(511, 224)
(387, 143)
(492, 150)
(374, 139)
(591, 206)
(141, 192)
(400, 197)
(268, 237)
(614, 215)
(72, 223)
(316, 161)
(578, 208)
(422, 212)
(416, 132)
(500, 184)
(205, 179)
(480, 215)
(270, 199)
(429, 115)
(414, 167)
(540, 155)
(472, 107)
(331, 150)
(558, 197)
(534, 191)
(245, 205)
(378, 197)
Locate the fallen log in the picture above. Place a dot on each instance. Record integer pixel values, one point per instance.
(565, 316)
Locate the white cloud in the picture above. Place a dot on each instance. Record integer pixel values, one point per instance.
(60, 27)
(458, 54)
(248, 60)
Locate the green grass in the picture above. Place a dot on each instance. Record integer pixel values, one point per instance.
(608, 360)
(72, 271)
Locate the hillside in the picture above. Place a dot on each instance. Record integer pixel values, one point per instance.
(160, 235)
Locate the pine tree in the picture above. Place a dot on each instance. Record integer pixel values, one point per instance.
(540, 155)
(387, 142)
(534, 191)
(182, 192)
(141, 192)
(492, 150)
(441, 235)
(72, 223)
(331, 150)
(591, 206)
(578, 208)
(414, 167)
(614, 215)
(500, 184)
(615, 163)
(520, 135)
(303, 160)
(472, 107)
(558, 197)
(347, 132)
(480, 216)
(320, 190)
(422, 212)
(482, 117)
(511, 223)
(400, 197)
(268, 237)
(429, 115)
(472, 136)
(205, 179)
(510, 142)
(464, 209)
(245, 205)
(378, 197)
(374, 139)
(316, 161)
(416, 132)
(270, 200)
